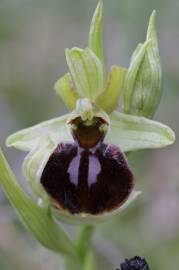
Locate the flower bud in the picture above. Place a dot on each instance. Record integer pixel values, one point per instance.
(142, 88)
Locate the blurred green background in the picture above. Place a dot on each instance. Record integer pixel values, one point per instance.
(33, 36)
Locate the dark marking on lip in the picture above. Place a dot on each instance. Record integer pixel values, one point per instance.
(80, 180)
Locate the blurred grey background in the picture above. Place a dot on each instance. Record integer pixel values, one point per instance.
(33, 37)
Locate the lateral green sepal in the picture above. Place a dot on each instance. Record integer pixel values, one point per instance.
(29, 138)
(37, 219)
(133, 133)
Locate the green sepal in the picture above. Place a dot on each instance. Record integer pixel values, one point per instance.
(36, 218)
(96, 34)
(64, 88)
(29, 138)
(86, 71)
(108, 100)
(144, 79)
(133, 133)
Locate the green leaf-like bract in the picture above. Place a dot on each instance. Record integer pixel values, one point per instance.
(36, 218)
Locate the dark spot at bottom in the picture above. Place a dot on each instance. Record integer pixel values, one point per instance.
(80, 180)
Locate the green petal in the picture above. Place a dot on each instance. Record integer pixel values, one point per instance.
(96, 34)
(108, 100)
(133, 133)
(86, 70)
(64, 88)
(37, 219)
(35, 162)
(29, 138)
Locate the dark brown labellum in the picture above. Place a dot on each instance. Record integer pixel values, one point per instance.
(87, 176)
(82, 181)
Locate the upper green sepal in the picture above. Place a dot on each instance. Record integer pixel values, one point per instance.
(142, 88)
(87, 72)
(36, 218)
(96, 35)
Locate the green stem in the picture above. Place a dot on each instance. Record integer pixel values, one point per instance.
(83, 241)
(83, 249)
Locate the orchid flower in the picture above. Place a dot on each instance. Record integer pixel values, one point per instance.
(76, 163)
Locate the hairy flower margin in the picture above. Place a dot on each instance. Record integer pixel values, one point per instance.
(92, 98)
